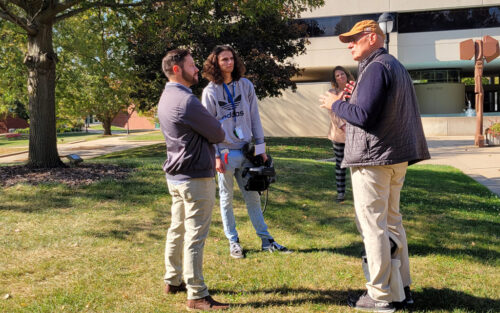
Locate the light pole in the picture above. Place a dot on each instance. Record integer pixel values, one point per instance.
(386, 23)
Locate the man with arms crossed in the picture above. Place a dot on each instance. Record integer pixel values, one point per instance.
(384, 135)
(190, 132)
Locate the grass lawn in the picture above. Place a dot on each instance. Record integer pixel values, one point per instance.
(113, 128)
(13, 145)
(149, 136)
(99, 248)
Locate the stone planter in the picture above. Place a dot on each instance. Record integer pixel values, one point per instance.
(492, 139)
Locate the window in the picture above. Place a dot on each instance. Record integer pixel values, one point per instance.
(334, 25)
(435, 76)
(449, 20)
(471, 18)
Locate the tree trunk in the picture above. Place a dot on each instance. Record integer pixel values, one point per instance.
(106, 124)
(41, 63)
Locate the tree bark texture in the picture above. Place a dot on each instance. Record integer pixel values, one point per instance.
(41, 62)
(106, 124)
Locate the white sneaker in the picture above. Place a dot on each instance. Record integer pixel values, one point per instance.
(235, 250)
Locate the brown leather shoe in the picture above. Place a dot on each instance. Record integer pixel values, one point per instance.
(171, 289)
(206, 304)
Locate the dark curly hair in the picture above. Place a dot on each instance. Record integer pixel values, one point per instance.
(211, 69)
(173, 57)
(347, 73)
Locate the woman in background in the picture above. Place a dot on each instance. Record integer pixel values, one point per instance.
(340, 78)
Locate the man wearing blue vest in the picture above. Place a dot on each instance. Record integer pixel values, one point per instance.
(384, 135)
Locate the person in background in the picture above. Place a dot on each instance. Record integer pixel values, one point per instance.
(340, 77)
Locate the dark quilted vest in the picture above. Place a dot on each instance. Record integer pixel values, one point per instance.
(397, 136)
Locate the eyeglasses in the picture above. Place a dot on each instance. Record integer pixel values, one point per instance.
(356, 38)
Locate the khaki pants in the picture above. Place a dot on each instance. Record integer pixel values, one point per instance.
(376, 191)
(192, 204)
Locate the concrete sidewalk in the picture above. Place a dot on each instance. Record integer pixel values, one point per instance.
(481, 164)
(87, 149)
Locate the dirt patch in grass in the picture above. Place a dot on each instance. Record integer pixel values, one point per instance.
(84, 174)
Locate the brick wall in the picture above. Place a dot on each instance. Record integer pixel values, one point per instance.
(135, 121)
(12, 122)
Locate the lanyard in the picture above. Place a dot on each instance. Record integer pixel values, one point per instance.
(231, 99)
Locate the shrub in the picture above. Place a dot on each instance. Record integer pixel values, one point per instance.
(22, 130)
(495, 128)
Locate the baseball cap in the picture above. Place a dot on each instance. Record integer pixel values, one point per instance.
(369, 26)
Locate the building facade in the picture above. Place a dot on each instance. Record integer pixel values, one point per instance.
(425, 38)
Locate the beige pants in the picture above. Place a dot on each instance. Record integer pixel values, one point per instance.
(376, 191)
(192, 204)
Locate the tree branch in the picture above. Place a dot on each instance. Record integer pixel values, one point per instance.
(66, 5)
(107, 4)
(122, 5)
(11, 17)
(61, 17)
(50, 14)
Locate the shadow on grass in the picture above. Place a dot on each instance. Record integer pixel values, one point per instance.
(451, 300)
(425, 300)
(478, 254)
(440, 204)
(34, 199)
(127, 230)
(151, 151)
(304, 295)
(481, 255)
(445, 212)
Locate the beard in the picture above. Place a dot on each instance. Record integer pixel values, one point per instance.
(192, 79)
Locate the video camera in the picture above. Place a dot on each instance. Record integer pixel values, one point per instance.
(262, 174)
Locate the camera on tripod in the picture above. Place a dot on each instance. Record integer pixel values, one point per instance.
(262, 174)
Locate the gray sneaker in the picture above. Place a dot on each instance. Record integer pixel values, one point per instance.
(366, 303)
(340, 197)
(235, 250)
(272, 246)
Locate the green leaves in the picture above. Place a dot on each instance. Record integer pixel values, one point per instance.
(12, 70)
(260, 31)
(94, 67)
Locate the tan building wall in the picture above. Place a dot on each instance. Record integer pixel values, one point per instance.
(450, 126)
(296, 114)
(299, 115)
(441, 98)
